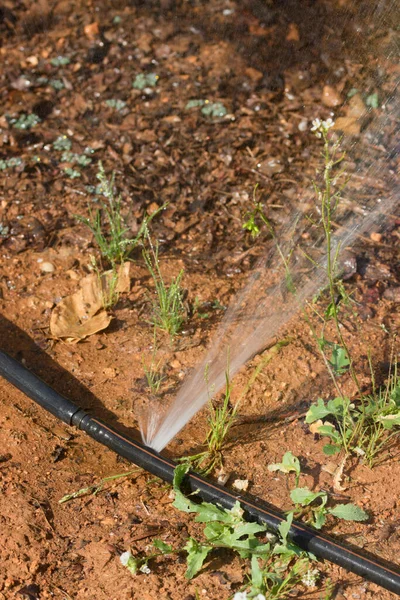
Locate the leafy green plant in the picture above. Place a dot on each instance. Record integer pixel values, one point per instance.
(168, 311)
(62, 143)
(209, 109)
(116, 104)
(72, 173)
(108, 227)
(79, 159)
(144, 80)
(275, 565)
(57, 84)
(24, 121)
(312, 506)
(365, 427)
(60, 61)
(10, 163)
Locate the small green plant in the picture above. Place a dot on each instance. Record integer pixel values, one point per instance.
(153, 371)
(79, 159)
(60, 61)
(24, 121)
(209, 109)
(220, 420)
(62, 143)
(108, 283)
(365, 427)
(145, 80)
(57, 84)
(312, 506)
(93, 490)
(10, 163)
(108, 227)
(116, 104)
(168, 311)
(72, 173)
(275, 566)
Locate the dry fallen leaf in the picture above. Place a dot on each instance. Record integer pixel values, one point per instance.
(331, 97)
(91, 30)
(351, 124)
(314, 427)
(83, 314)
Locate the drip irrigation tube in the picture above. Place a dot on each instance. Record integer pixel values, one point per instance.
(324, 547)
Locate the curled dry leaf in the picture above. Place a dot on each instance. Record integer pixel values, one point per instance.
(351, 123)
(314, 427)
(82, 314)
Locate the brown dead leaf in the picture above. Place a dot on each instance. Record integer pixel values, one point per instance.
(293, 34)
(83, 314)
(337, 479)
(331, 97)
(91, 30)
(351, 123)
(314, 427)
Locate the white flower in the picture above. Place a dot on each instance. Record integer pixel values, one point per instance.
(310, 578)
(124, 558)
(260, 597)
(316, 125)
(328, 124)
(321, 127)
(240, 596)
(145, 569)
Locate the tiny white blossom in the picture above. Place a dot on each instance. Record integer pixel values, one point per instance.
(145, 569)
(124, 558)
(328, 123)
(260, 597)
(316, 124)
(240, 596)
(322, 127)
(310, 578)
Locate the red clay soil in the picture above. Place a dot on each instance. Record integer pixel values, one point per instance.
(274, 67)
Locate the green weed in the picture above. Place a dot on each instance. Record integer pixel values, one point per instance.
(275, 566)
(220, 421)
(24, 121)
(168, 310)
(209, 109)
(62, 143)
(145, 80)
(93, 490)
(108, 227)
(153, 371)
(60, 61)
(115, 103)
(72, 173)
(365, 427)
(10, 163)
(312, 506)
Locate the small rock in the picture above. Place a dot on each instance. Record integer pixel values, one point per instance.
(392, 294)
(241, 484)
(47, 267)
(110, 372)
(375, 237)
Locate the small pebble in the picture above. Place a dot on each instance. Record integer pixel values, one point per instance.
(375, 237)
(241, 484)
(47, 267)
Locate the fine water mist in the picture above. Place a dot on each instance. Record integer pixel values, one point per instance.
(266, 304)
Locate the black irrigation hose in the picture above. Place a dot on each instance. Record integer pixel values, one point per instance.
(351, 558)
